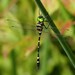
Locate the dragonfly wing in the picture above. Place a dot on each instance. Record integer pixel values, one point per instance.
(32, 27)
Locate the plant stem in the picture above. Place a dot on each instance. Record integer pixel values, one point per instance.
(13, 59)
(1, 71)
(60, 38)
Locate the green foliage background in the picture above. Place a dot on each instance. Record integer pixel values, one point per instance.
(18, 38)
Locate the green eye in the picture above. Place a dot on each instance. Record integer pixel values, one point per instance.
(40, 19)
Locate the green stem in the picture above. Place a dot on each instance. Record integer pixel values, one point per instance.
(13, 58)
(1, 72)
(60, 38)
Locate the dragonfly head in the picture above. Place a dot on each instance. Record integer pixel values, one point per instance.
(40, 19)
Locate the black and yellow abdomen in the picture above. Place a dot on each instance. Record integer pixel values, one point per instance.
(39, 28)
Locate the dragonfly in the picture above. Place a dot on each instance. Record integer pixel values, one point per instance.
(40, 27)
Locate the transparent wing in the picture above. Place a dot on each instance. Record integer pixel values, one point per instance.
(31, 27)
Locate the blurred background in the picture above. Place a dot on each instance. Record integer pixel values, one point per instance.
(19, 38)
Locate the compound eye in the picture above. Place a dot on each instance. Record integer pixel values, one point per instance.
(40, 19)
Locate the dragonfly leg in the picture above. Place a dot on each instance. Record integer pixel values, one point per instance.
(46, 27)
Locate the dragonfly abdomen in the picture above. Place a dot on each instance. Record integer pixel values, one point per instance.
(39, 29)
